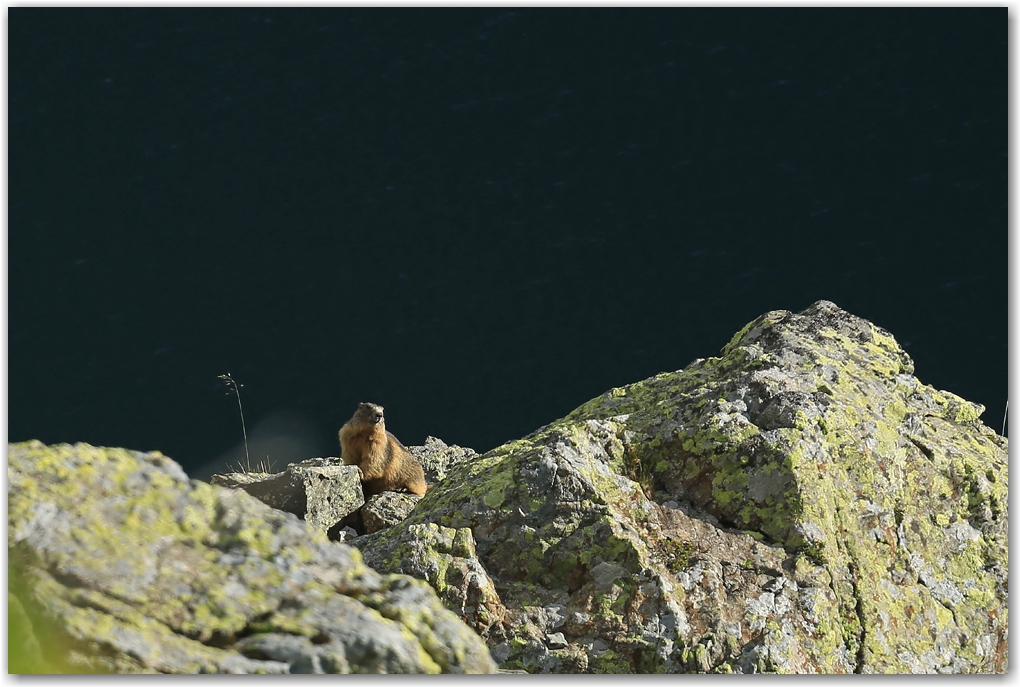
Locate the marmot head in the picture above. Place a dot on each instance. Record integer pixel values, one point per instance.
(369, 414)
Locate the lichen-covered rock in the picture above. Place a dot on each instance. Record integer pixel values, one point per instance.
(119, 563)
(329, 496)
(387, 508)
(447, 560)
(437, 458)
(801, 503)
(322, 491)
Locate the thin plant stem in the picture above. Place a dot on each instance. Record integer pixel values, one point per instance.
(233, 386)
(1004, 415)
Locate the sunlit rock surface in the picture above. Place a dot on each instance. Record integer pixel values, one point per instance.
(119, 563)
(801, 503)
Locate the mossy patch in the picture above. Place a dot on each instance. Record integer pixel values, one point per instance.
(677, 555)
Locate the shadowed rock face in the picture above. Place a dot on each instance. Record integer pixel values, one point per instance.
(801, 503)
(119, 563)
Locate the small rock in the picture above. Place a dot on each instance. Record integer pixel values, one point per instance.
(556, 614)
(501, 652)
(556, 641)
(579, 622)
(605, 574)
(346, 534)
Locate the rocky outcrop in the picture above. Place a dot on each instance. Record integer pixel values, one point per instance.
(119, 563)
(327, 494)
(322, 491)
(801, 503)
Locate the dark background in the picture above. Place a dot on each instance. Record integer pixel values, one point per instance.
(479, 218)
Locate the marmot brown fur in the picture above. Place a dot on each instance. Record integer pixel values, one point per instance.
(384, 462)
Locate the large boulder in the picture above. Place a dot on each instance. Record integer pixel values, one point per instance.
(801, 503)
(119, 563)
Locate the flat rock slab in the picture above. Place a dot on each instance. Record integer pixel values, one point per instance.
(318, 490)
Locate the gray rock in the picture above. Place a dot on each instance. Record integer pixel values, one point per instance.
(320, 490)
(448, 561)
(387, 508)
(556, 641)
(556, 615)
(346, 534)
(820, 504)
(799, 504)
(437, 458)
(501, 652)
(119, 563)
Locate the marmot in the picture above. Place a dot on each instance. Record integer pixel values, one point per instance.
(384, 462)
